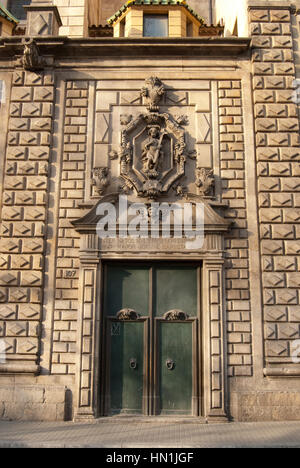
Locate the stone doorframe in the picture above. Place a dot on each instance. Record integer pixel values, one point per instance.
(93, 251)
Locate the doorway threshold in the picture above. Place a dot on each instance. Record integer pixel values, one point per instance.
(161, 419)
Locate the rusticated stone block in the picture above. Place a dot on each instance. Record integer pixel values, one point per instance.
(282, 41)
(259, 15)
(43, 94)
(280, 15)
(34, 245)
(22, 94)
(277, 348)
(31, 278)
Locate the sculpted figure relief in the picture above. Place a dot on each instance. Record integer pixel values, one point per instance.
(31, 59)
(152, 152)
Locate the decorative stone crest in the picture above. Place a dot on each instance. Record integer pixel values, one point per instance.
(205, 181)
(100, 179)
(127, 314)
(32, 59)
(152, 154)
(175, 314)
(153, 92)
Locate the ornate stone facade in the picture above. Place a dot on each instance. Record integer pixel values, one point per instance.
(83, 125)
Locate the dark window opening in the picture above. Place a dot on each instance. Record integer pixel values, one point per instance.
(16, 8)
(156, 25)
(122, 28)
(189, 28)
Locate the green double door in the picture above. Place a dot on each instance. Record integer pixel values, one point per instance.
(151, 356)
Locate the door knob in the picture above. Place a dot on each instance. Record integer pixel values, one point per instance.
(133, 363)
(170, 364)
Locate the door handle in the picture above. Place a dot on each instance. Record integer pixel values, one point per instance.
(133, 363)
(170, 364)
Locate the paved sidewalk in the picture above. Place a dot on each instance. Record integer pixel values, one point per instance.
(152, 434)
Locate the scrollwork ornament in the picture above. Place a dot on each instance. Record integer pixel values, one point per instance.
(175, 314)
(127, 314)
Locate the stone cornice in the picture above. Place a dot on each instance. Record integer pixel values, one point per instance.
(64, 47)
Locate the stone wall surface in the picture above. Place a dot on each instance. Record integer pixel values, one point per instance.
(240, 116)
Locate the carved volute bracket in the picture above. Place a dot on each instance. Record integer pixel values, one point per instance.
(127, 314)
(175, 314)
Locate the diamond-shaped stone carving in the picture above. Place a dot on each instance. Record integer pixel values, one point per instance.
(277, 348)
(275, 313)
(8, 345)
(270, 215)
(30, 109)
(33, 245)
(272, 247)
(288, 330)
(102, 128)
(16, 329)
(8, 311)
(43, 93)
(27, 346)
(31, 279)
(285, 263)
(29, 311)
(39, 153)
(9, 245)
(18, 295)
(8, 278)
(204, 128)
(282, 199)
(274, 280)
(286, 296)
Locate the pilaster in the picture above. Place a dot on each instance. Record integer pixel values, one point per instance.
(214, 319)
(24, 218)
(278, 182)
(88, 326)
